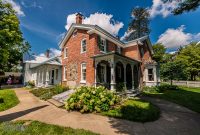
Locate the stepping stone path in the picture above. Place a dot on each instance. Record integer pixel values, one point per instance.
(63, 96)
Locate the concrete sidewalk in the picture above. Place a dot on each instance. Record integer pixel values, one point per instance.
(174, 119)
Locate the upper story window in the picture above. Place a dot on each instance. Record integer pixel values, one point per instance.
(83, 72)
(83, 46)
(150, 74)
(103, 45)
(65, 53)
(119, 49)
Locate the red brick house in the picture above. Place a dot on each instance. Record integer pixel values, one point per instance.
(92, 56)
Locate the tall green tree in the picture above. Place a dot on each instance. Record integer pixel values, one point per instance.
(190, 55)
(140, 22)
(173, 70)
(185, 6)
(159, 52)
(12, 43)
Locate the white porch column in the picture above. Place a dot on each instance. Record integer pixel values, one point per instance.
(132, 69)
(125, 76)
(139, 74)
(155, 74)
(47, 77)
(112, 83)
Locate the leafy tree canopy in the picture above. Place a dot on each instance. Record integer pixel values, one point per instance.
(12, 44)
(190, 55)
(159, 52)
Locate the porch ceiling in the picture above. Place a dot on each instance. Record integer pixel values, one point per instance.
(115, 56)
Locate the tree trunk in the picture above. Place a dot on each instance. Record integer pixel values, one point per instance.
(171, 81)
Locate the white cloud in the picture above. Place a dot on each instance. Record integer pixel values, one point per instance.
(173, 38)
(53, 52)
(16, 7)
(163, 9)
(31, 5)
(103, 20)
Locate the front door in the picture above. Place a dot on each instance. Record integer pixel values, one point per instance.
(103, 73)
(52, 77)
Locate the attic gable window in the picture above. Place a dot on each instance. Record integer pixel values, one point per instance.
(83, 46)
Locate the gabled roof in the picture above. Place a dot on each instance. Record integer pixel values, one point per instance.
(51, 61)
(103, 33)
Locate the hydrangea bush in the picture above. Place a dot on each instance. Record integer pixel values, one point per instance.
(91, 99)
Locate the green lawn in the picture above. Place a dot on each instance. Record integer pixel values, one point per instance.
(188, 97)
(38, 128)
(8, 99)
(135, 110)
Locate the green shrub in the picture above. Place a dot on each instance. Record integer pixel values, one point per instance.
(120, 87)
(47, 93)
(91, 99)
(135, 110)
(164, 87)
(152, 89)
(31, 83)
(160, 88)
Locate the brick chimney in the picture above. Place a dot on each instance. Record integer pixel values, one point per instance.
(79, 18)
(47, 53)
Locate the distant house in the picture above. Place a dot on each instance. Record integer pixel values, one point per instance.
(43, 70)
(92, 56)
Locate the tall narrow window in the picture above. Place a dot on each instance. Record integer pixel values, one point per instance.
(65, 53)
(56, 74)
(103, 45)
(150, 74)
(83, 72)
(83, 46)
(65, 73)
(142, 52)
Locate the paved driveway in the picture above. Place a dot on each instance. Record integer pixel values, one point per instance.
(174, 119)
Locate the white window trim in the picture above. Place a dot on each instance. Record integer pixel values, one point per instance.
(105, 47)
(83, 81)
(65, 52)
(82, 45)
(64, 74)
(151, 74)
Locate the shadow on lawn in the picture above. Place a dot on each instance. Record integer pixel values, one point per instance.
(186, 98)
(12, 116)
(174, 116)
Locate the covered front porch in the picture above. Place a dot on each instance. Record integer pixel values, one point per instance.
(116, 72)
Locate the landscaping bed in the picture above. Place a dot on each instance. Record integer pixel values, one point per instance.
(105, 102)
(8, 99)
(188, 97)
(47, 93)
(38, 128)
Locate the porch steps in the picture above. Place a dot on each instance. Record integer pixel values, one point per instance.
(56, 103)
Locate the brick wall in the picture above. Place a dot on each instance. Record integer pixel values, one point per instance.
(75, 57)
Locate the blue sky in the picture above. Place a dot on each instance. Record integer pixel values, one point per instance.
(43, 21)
